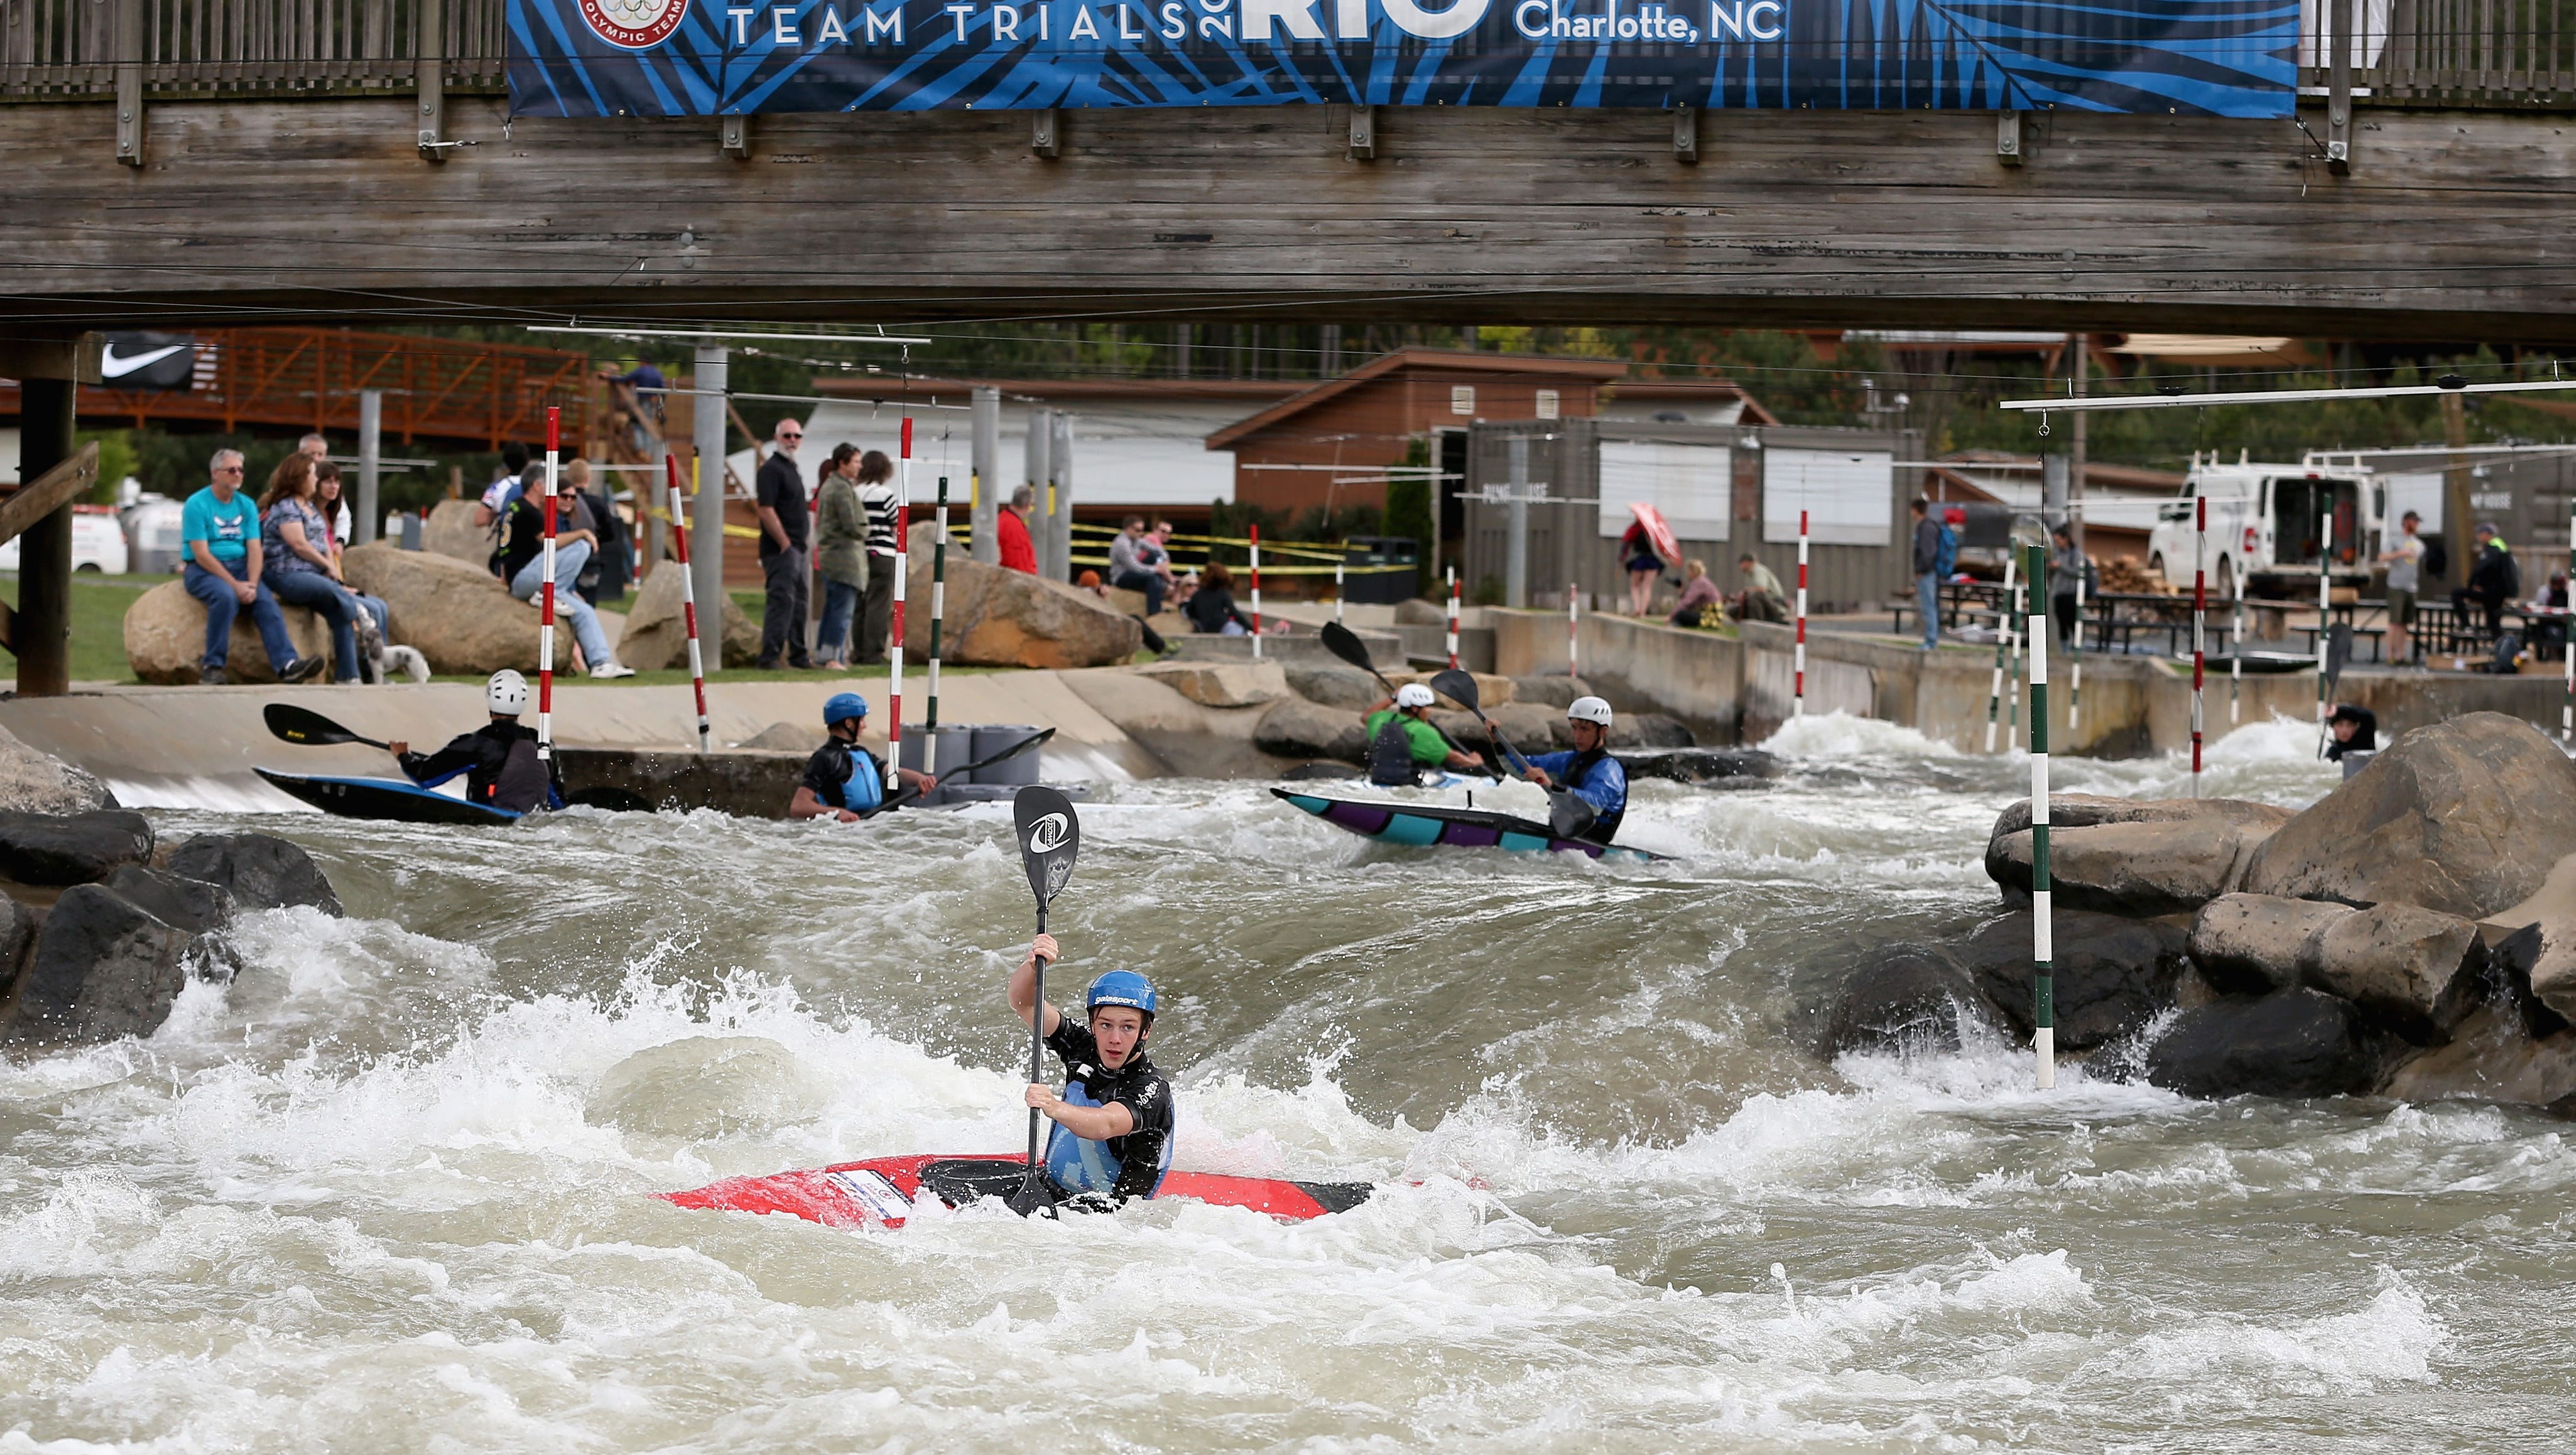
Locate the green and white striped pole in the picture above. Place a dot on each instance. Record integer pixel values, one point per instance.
(2075, 661)
(2043, 947)
(2003, 634)
(2012, 674)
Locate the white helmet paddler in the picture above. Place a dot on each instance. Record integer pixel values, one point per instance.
(1589, 709)
(506, 693)
(1413, 694)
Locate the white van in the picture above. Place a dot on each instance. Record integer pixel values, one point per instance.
(2271, 528)
(98, 542)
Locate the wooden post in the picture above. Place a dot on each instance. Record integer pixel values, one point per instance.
(130, 26)
(430, 80)
(41, 628)
(2457, 522)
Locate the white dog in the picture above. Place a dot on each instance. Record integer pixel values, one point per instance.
(379, 659)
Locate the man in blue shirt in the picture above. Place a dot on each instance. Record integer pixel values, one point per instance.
(219, 532)
(1589, 772)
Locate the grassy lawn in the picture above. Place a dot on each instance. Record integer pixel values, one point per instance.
(98, 621)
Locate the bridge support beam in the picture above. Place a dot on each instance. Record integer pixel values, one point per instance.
(40, 630)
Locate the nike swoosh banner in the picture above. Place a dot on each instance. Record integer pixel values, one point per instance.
(707, 57)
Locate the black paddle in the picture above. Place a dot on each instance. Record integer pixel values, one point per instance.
(1568, 816)
(2338, 656)
(1050, 836)
(309, 729)
(1344, 643)
(907, 793)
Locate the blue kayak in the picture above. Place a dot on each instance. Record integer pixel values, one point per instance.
(1424, 824)
(386, 800)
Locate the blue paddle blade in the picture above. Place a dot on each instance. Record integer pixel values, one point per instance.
(1050, 836)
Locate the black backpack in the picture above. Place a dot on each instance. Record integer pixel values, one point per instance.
(1390, 755)
(2436, 563)
(520, 786)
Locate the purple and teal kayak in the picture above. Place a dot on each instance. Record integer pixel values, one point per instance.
(1423, 824)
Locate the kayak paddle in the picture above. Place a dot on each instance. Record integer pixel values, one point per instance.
(1344, 643)
(908, 793)
(1568, 816)
(307, 728)
(1050, 836)
(2338, 656)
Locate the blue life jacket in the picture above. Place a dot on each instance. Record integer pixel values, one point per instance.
(1080, 1165)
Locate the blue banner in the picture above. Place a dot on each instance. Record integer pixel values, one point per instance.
(711, 57)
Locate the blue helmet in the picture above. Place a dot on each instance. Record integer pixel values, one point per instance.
(842, 707)
(1121, 987)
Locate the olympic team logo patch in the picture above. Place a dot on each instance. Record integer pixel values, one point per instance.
(634, 24)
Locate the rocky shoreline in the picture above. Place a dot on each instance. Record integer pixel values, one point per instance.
(2412, 934)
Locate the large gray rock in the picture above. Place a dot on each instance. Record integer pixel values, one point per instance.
(2130, 856)
(2253, 944)
(459, 615)
(1295, 728)
(17, 934)
(2414, 971)
(2465, 816)
(165, 638)
(259, 871)
(450, 531)
(103, 968)
(1334, 684)
(76, 848)
(203, 910)
(657, 632)
(2297, 1042)
(2110, 976)
(2538, 964)
(1222, 684)
(1906, 999)
(38, 782)
(1000, 618)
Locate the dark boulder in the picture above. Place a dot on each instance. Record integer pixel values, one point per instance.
(1646, 730)
(71, 848)
(1292, 727)
(1906, 999)
(1321, 773)
(2254, 944)
(1332, 684)
(103, 968)
(17, 933)
(259, 871)
(1700, 765)
(2297, 1042)
(2110, 975)
(203, 910)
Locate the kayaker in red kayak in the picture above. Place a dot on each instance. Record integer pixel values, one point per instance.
(1113, 1119)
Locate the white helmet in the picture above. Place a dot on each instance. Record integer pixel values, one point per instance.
(1589, 709)
(506, 693)
(1413, 694)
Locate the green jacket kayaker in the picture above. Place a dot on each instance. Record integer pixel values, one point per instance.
(1402, 742)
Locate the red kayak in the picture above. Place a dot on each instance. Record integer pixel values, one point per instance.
(880, 1190)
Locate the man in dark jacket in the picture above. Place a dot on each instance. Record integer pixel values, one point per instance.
(780, 494)
(1927, 568)
(499, 759)
(2493, 579)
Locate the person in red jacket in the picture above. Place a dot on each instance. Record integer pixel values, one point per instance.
(1011, 532)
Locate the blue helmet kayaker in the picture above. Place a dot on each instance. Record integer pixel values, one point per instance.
(1113, 1119)
(843, 779)
(1589, 771)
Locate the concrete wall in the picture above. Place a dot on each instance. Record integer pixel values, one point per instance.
(1696, 676)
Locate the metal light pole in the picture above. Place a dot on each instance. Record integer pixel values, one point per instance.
(706, 544)
(371, 432)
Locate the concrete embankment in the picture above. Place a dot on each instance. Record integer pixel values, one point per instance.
(1738, 689)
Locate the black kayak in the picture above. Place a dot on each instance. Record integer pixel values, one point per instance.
(387, 800)
(1392, 822)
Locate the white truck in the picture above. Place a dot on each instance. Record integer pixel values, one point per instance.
(2269, 527)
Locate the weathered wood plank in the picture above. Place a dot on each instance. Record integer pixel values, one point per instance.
(48, 492)
(2451, 225)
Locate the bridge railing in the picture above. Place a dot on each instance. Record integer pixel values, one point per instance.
(2483, 53)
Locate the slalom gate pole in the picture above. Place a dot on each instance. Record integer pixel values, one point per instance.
(688, 596)
(2075, 658)
(894, 649)
(1798, 665)
(2019, 619)
(1574, 632)
(938, 614)
(1254, 536)
(2236, 655)
(2199, 619)
(1995, 691)
(546, 608)
(1337, 590)
(2043, 929)
(2325, 604)
(1453, 617)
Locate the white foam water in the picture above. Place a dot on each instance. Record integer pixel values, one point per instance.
(390, 1189)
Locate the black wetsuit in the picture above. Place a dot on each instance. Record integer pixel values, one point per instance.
(1135, 1163)
(845, 776)
(500, 764)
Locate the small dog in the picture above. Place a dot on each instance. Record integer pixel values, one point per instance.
(378, 659)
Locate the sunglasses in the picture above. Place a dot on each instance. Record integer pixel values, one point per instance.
(791, 435)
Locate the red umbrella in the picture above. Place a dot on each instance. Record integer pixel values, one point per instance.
(1659, 532)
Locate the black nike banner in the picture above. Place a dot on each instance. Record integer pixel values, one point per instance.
(154, 361)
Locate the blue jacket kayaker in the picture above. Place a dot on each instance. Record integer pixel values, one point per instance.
(1589, 770)
(843, 779)
(500, 761)
(1113, 1120)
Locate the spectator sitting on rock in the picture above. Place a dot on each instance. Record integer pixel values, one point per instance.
(219, 531)
(1761, 599)
(1699, 597)
(1211, 607)
(1128, 567)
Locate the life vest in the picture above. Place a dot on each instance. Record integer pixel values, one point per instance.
(1079, 1164)
(1606, 823)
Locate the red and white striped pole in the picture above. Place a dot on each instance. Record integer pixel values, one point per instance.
(894, 649)
(1453, 617)
(1574, 631)
(1255, 538)
(546, 604)
(1798, 686)
(688, 597)
(2199, 614)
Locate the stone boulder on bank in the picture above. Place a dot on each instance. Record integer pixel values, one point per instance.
(459, 615)
(2110, 976)
(999, 618)
(450, 531)
(1295, 728)
(2131, 856)
(38, 782)
(259, 871)
(2295, 1042)
(165, 638)
(79, 848)
(2254, 944)
(2466, 816)
(657, 633)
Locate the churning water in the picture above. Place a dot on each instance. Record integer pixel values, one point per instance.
(386, 1192)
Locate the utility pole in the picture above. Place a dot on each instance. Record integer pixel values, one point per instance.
(706, 527)
(987, 460)
(2081, 345)
(1516, 535)
(2459, 534)
(371, 434)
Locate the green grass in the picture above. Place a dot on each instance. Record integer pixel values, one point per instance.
(98, 621)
